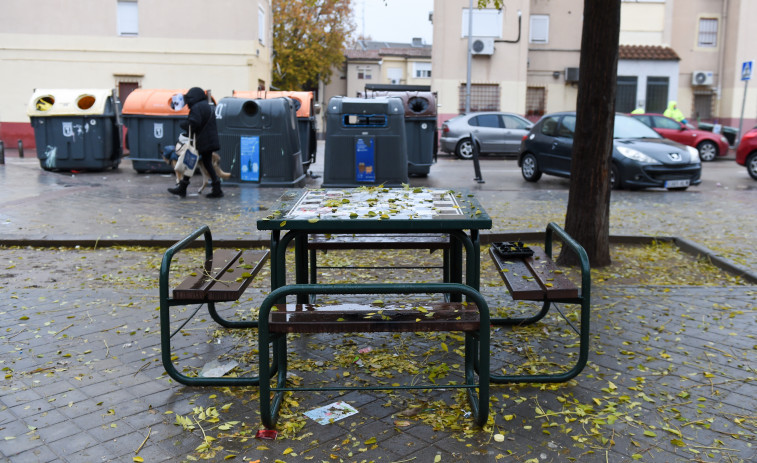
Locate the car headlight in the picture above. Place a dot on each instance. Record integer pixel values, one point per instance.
(637, 156)
(694, 153)
(724, 140)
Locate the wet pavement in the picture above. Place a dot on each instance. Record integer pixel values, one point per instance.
(671, 375)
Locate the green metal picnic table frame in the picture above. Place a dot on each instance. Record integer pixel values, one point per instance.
(468, 215)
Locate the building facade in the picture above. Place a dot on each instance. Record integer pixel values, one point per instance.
(372, 63)
(525, 57)
(126, 44)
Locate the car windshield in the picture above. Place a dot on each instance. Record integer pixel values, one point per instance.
(628, 127)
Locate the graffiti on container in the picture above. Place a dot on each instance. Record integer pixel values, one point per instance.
(50, 152)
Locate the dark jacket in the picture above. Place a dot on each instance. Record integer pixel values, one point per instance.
(202, 120)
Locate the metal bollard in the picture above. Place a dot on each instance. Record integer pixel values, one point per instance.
(20, 148)
(2, 152)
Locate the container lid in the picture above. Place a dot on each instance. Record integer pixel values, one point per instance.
(416, 103)
(153, 102)
(303, 101)
(68, 102)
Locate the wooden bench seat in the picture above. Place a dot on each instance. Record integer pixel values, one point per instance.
(534, 278)
(349, 318)
(224, 277)
(537, 278)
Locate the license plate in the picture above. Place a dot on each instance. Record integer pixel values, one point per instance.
(676, 183)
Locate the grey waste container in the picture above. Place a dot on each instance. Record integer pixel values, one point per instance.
(365, 142)
(306, 109)
(151, 125)
(420, 128)
(730, 133)
(259, 141)
(76, 129)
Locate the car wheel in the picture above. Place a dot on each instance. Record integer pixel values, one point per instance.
(708, 151)
(751, 165)
(464, 149)
(530, 168)
(614, 178)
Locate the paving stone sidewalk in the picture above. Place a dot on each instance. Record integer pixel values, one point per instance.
(671, 375)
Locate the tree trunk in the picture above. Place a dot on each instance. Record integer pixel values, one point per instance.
(588, 216)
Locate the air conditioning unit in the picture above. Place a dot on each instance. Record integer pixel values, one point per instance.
(702, 78)
(571, 74)
(482, 46)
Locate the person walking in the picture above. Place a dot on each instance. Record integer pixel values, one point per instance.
(202, 122)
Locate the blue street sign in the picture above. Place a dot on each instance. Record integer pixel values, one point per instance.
(746, 70)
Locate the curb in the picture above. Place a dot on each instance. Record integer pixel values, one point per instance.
(694, 249)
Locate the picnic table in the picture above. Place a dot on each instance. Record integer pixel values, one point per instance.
(375, 211)
(395, 212)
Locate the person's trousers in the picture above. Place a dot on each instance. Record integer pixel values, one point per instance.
(207, 161)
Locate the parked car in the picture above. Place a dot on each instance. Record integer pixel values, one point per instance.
(496, 133)
(710, 145)
(641, 158)
(746, 154)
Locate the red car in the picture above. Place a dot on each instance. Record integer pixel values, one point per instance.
(746, 154)
(710, 145)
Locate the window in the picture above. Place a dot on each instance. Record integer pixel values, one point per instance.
(261, 25)
(512, 122)
(708, 32)
(127, 18)
(394, 75)
(536, 101)
(486, 23)
(483, 97)
(487, 120)
(657, 94)
(549, 127)
(665, 123)
(539, 30)
(567, 127)
(422, 70)
(625, 95)
(364, 72)
(703, 105)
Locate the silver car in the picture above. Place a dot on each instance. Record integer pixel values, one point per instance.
(496, 133)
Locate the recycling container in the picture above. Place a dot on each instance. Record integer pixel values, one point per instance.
(76, 129)
(259, 141)
(420, 128)
(151, 125)
(730, 133)
(365, 142)
(304, 103)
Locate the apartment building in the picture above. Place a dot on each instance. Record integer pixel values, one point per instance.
(525, 57)
(126, 44)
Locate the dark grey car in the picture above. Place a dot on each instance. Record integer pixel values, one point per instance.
(641, 158)
(496, 133)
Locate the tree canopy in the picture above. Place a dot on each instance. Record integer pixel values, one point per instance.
(309, 38)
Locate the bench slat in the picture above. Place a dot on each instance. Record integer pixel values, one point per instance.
(196, 286)
(388, 241)
(535, 278)
(556, 284)
(347, 318)
(217, 280)
(231, 284)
